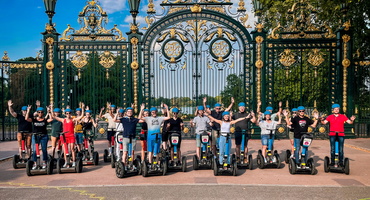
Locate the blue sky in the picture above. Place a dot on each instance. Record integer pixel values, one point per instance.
(22, 21)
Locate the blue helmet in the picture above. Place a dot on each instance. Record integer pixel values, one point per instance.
(175, 110)
(200, 107)
(129, 108)
(267, 113)
(113, 106)
(241, 104)
(24, 108)
(217, 105)
(269, 108)
(146, 110)
(335, 106)
(225, 113)
(153, 109)
(121, 110)
(78, 109)
(67, 110)
(40, 109)
(88, 111)
(57, 110)
(208, 106)
(294, 110)
(301, 108)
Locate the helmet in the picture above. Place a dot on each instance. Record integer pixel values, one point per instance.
(78, 109)
(294, 110)
(113, 106)
(267, 113)
(241, 104)
(301, 108)
(225, 113)
(57, 110)
(208, 106)
(24, 108)
(146, 110)
(121, 110)
(335, 106)
(88, 111)
(269, 108)
(40, 109)
(67, 110)
(129, 108)
(217, 105)
(175, 110)
(200, 107)
(153, 109)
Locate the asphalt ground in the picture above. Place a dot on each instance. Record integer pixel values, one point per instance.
(100, 182)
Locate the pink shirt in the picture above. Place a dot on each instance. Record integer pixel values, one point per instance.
(337, 124)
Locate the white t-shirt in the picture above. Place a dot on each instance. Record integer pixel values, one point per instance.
(111, 123)
(266, 127)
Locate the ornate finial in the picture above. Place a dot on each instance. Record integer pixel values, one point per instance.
(241, 7)
(151, 9)
(259, 27)
(347, 25)
(196, 8)
(5, 57)
(49, 28)
(134, 28)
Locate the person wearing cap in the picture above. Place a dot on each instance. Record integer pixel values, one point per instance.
(270, 109)
(291, 130)
(24, 129)
(225, 125)
(336, 121)
(119, 130)
(39, 126)
(175, 124)
(300, 124)
(68, 129)
(111, 124)
(267, 126)
(143, 134)
(217, 114)
(200, 123)
(154, 127)
(56, 129)
(240, 126)
(129, 131)
(79, 129)
(88, 123)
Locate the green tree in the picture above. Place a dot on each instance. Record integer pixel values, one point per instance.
(234, 89)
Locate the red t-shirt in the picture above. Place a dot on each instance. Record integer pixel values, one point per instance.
(68, 127)
(337, 124)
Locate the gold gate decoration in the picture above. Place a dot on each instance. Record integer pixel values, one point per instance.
(107, 60)
(79, 60)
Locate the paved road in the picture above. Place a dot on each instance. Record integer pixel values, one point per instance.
(100, 181)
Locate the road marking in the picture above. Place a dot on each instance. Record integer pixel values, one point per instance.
(80, 192)
(357, 148)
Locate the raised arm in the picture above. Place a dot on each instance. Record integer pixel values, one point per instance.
(11, 110)
(27, 118)
(115, 118)
(142, 107)
(167, 117)
(253, 119)
(287, 118)
(316, 116)
(238, 120)
(259, 107)
(213, 119)
(101, 112)
(351, 119)
(279, 115)
(280, 107)
(231, 104)
(82, 113)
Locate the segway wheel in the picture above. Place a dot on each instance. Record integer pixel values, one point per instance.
(164, 166)
(259, 152)
(50, 166)
(79, 164)
(96, 158)
(235, 168)
(137, 163)
(183, 162)
(311, 165)
(15, 161)
(278, 161)
(250, 162)
(113, 159)
(29, 166)
(260, 161)
(292, 166)
(288, 154)
(138, 157)
(215, 167)
(120, 170)
(326, 164)
(145, 168)
(60, 163)
(195, 162)
(346, 166)
(106, 153)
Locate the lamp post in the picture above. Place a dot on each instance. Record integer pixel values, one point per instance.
(258, 7)
(50, 9)
(134, 8)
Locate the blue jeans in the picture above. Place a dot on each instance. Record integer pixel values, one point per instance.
(297, 146)
(340, 148)
(44, 143)
(222, 145)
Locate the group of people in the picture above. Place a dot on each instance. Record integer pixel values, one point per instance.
(153, 127)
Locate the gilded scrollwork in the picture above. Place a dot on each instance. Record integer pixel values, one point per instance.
(287, 58)
(315, 57)
(79, 59)
(107, 59)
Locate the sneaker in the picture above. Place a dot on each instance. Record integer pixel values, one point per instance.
(74, 164)
(274, 159)
(291, 156)
(43, 165)
(34, 166)
(65, 165)
(265, 160)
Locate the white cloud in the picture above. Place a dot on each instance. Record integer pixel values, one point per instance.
(112, 6)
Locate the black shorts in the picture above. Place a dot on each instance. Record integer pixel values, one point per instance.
(110, 134)
(238, 139)
(165, 136)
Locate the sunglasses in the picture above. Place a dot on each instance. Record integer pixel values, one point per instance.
(301, 111)
(40, 112)
(175, 113)
(67, 113)
(218, 108)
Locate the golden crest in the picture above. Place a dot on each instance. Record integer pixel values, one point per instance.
(79, 59)
(315, 57)
(346, 62)
(134, 40)
(281, 129)
(49, 65)
(232, 130)
(101, 130)
(259, 64)
(287, 58)
(49, 40)
(134, 65)
(186, 130)
(196, 8)
(322, 129)
(107, 59)
(310, 130)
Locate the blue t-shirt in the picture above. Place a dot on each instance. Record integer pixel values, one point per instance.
(129, 126)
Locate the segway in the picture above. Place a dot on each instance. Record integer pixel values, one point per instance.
(17, 161)
(176, 164)
(110, 158)
(66, 165)
(246, 161)
(131, 166)
(89, 156)
(206, 156)
(229, 164)
(270, 159)
(336, 166)
(159, 163)
(303, 166)
(38, 170)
